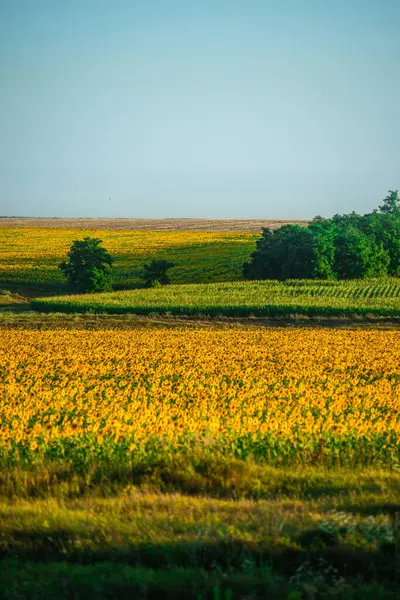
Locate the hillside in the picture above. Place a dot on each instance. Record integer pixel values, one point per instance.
(29, 256)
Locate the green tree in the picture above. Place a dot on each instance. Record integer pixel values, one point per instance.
(358, 255)
(385, 228)
(293, 252)
(87, 266)
(262, 264)
(156, 272)
(322, 261)
(295, 247)
(345, 247)
(391, 204)
(350, 220)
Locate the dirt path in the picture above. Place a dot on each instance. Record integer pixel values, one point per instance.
(26, 319)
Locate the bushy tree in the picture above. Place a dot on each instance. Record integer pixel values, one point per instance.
(87, 266)
(293, 252)
(323, 246)
(96, 280)
(358, 255)
(281, 254)
(384, 227)
(345, 247)
(155, 273)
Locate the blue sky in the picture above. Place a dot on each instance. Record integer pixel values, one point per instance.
(200, 108)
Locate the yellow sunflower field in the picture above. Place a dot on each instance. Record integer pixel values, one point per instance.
(312, 396)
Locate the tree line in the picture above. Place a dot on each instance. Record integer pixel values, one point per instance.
(349, 246)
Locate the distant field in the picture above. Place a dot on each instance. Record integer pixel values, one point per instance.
(244, 298)
(245, 225)
(30, 255)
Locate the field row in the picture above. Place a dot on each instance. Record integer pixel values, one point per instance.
(258, 298)
(281, 396)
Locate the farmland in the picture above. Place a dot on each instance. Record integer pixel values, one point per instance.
(238, 299)
(276, 395)
(146, 455)
(292, 434)
(209, 225)
(30, 255)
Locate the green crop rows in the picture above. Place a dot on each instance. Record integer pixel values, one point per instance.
(258, 298)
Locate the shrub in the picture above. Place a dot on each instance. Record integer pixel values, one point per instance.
(155, 273)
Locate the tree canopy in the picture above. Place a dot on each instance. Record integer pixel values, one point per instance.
(349, 246)
(87, 266)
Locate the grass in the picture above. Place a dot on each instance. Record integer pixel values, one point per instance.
(205, 474)
(329, 533)
(240, 299)
(108, 580)
(9, 299)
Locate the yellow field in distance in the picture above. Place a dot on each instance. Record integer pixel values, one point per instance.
(32, 254)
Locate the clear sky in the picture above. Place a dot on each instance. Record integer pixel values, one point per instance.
(198, 108)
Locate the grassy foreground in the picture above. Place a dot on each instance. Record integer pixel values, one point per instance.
(311, 534)
(257, 298)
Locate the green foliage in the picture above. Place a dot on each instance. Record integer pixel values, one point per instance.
(385, 228)
(88, 265)
(283, 254)
(344, 247)
(391, 204)
(323, 249)
(96, 280)
(358, 255)
(108, 580)
(155, 273)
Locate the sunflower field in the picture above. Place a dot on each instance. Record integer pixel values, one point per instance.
(286, 396)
